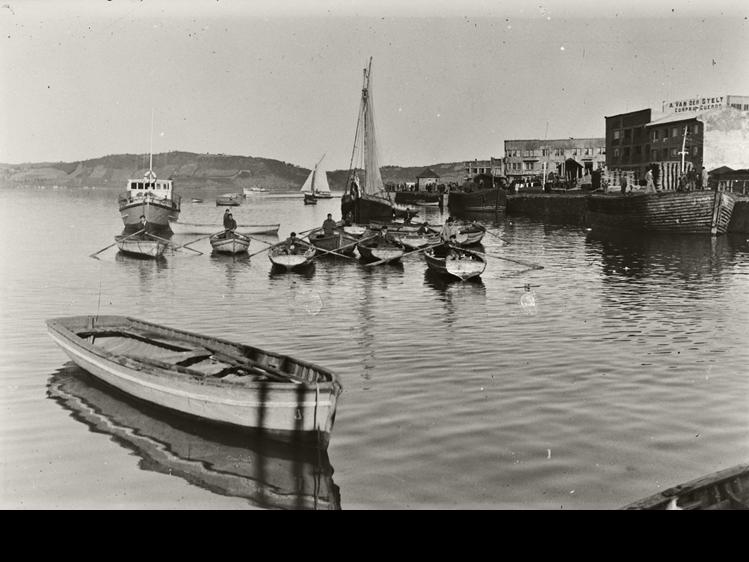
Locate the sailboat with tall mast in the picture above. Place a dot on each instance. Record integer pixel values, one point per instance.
(366, 198)
(316, 185)
(150, 197)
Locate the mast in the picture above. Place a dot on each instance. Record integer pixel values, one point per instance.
(683, 148)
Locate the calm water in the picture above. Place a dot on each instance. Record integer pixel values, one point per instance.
(623, 371)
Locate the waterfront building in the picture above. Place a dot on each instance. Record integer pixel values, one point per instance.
(427, 180)
(569, 158)
(679, 139)
(492, 167)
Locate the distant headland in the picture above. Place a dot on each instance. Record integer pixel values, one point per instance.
(196, 171)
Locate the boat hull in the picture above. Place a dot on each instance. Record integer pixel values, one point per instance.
(339, 241)
(195, 228)
(462, 265)
(366, 209)
(299, 258)
(694, 212)
(141, 246)
(725, 489)
(157, 211)
(310, 199)
(283, 408)
(482, 200)
(234, 243)
(380, 252)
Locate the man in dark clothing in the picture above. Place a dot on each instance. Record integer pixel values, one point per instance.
(445, 249)
(229, 224)
(144, 224)
(329, 226)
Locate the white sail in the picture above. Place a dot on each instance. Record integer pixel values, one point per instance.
(372, 178)
(317, 180)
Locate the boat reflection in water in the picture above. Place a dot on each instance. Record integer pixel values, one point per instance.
(232, 463)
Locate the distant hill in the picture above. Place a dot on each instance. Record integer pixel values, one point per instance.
(196, 171)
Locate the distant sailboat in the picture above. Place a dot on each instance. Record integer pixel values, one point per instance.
(316, 185)
(368, 200)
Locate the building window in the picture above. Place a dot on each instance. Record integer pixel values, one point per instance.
(664, 154)
(664, 135)
(617, 135)
(654, 134)
(654, 154)
(674, 132)
(695, 150)
(616, 153)
(628, 136)
(674, 152)
(527, 165)
(545, 152)
(695, 128)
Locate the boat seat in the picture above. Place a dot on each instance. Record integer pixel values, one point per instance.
(184, 358)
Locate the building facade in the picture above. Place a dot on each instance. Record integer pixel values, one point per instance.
(492, 167)
(571, 158)
(674, 141)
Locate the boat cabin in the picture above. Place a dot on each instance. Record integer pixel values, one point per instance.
(150, 185)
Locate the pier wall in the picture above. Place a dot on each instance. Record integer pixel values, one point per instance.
(554, 207)
(740, 217)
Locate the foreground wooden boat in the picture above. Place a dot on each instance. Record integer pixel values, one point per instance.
(725, 489)
(209, 228)
(458, 263)
(292, 256)
(339, 241)
(267, 473)
(142, 245)
(229, 243)
(692, 212)
(202, 376)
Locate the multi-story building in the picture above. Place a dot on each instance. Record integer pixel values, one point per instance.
(568, 158)
(492, 167)
(684, 135)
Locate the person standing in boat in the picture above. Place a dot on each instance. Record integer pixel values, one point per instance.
(227, 217)
(329, 226)
(449, 230)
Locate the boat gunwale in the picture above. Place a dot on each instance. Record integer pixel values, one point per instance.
(60, 326)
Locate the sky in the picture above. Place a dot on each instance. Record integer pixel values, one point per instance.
(451, 81)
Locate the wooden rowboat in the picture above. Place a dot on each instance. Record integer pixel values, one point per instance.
(143, 245)
(461, 263)
(229, 200)
(339, 241)
(725, 489)
(206, 228)
(266, 473)
(202, 376)
(380, 249)
(229, 242)
(468, 234)
(288, 256)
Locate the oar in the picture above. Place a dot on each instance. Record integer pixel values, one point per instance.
(199, 239)
(258, 239)
(125, 238)
(266, 249)
(496, 236)
(402, 256)
(170, 243)
(342, 247)
(523, 263)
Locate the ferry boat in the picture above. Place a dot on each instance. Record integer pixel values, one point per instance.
(150, 197)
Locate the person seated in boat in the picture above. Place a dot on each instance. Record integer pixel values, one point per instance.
(348, 220)
(329, 226)
(292, 246)
(445, 249)
(385, 236)
(145, 226)
(230, 225)
(449, 230)
(423, 229)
